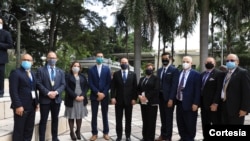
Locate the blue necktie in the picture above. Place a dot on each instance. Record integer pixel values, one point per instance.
(204, 79)
(124, 76)
(180, 87)
(52, 74)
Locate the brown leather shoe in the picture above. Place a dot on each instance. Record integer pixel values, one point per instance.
(93, 138)
(159, 138)
(106, 137)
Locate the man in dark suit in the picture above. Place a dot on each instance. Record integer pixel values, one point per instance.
(123, 96)
(24, 99)
(212, 80)
(51, 84)
(168, 75)
(5, 44)
(235, 93)
(188, 100)
(99, 77)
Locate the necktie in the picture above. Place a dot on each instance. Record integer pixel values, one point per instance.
(29, 75)
(52, 74)
(226, 82)
(124, 76)
(145, 80)
(162, 76)
(204, 79)
(180, 87)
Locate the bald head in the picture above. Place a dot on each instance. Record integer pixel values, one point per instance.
(27, 57)
(187, 62)
(210, 63)
(232, 61)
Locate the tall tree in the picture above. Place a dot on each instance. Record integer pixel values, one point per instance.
(204, 22)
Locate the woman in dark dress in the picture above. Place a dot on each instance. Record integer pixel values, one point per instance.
(148, 91)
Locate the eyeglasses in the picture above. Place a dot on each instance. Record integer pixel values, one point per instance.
(27, 60)
(230, 60)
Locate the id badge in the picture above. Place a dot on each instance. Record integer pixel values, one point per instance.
(33, 94)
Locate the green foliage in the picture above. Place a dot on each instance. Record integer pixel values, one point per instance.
(244, 60)
(9, 67)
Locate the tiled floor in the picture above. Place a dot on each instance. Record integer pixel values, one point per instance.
(136, 127)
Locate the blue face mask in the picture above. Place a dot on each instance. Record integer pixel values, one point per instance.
(26, 65)
(52, 62)
(230, 65)
(99, 60)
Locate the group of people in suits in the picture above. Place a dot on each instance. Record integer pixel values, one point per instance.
(49, 80)
(222, 96)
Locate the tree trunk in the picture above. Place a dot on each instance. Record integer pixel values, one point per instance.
(137, 52)
(204, 21)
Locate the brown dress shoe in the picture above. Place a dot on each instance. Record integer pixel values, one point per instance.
(159, 138)
(106, 137)
(93, 138)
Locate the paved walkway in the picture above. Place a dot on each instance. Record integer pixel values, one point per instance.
(136, 134)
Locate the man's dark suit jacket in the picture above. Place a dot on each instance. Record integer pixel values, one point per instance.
(44, 85)
(169, 82)
(6, 43)
(70, 94)
(238, 92)
(99, 84)
(124, 93)
(192, 90)
(20, 90)
(211, 93)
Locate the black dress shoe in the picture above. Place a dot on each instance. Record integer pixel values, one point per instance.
(128, 139)
(118, 139)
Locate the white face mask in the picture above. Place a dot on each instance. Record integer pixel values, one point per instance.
(1, 26)
(75, 69)
(185, 66)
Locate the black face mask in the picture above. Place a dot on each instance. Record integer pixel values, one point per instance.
(209, 65)
(124, 66)
(165, 62)
(148, 71)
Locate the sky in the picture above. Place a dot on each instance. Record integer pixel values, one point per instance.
(193, 41)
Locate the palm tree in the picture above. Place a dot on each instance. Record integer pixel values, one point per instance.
(204, 21)
(139, 16)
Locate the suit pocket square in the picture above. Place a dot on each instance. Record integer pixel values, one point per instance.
(211, 79)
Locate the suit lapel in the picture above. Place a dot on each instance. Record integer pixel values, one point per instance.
(120, 75)
(233, 74)
(96, 72)
(189, 76)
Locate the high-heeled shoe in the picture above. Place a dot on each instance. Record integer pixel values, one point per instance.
(78, 134)
(72, 135)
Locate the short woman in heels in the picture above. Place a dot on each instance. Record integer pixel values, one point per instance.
(75, 99)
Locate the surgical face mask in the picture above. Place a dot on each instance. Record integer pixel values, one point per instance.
(185, 66)
(99, 60)
(75, 69)
(26, 65)
(124, 66)
(231, 65)
(1, 26)
(52, 62)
